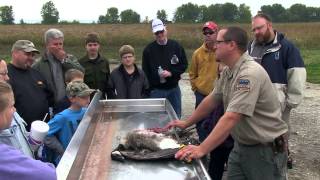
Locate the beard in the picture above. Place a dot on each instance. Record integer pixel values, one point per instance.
(263, 38)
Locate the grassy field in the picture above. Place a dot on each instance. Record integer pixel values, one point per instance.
(304, 35)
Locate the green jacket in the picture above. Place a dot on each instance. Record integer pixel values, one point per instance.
(43, 66)
(97, 72)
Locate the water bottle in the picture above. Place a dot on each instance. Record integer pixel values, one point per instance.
(162, 79)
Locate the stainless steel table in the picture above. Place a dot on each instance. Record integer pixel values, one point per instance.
(100, 131)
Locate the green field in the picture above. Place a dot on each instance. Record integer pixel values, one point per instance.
(304, 35)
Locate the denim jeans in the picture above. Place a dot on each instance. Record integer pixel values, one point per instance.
(218, 157)
(202, 133)
(173, 95)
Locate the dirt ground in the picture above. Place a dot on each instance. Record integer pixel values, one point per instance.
(305, 130)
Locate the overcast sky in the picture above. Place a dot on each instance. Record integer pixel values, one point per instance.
(89, 10)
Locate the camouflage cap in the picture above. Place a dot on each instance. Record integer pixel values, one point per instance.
(78, 89)
(24, 45)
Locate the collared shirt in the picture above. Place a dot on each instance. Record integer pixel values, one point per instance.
(16, 136)
(203, 70)
(246, 89)
(58, 74)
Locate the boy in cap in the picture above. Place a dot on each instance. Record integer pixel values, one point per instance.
(163, 61)
(127, 80)
(96, 66)
(65, 123)
(70, 76)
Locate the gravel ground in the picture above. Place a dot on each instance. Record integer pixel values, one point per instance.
(305, 130)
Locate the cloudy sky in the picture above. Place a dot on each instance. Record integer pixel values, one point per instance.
(88, 11)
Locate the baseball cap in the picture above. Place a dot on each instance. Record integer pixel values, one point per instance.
(210, 25)
(157, 25)
(78, 88)
(24, 45)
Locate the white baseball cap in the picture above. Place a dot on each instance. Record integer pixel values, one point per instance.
(157, 25)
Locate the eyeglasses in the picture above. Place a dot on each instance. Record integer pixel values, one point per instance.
(257, 28)
(208, 32)
(158, 32)
(127, 57)
(221, 41)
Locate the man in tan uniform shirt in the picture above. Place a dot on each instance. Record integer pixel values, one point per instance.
(252, 114)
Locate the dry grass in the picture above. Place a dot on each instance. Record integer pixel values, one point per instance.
(304, 35)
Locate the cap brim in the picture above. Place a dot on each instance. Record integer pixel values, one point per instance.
(86, 92)
(157, 28)
(31, 50)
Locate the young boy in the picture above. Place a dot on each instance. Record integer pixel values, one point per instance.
(96, 65)
(70, 76)
(65, 123)
(128, 81)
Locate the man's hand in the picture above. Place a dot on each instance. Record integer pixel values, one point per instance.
(190, 152)
(166, 73)
(177, 123)
(60, 54)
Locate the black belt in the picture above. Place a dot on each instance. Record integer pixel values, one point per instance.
(278, 145)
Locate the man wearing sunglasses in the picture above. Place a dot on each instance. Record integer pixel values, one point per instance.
(163, 61)
(203, 72)
(203, 68)
(283, 62)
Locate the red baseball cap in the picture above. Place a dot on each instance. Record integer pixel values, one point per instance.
(211, 25)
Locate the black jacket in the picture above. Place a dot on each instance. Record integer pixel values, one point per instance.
(125, 86)
(32, 93)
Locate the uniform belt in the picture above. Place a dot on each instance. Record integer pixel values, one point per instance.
(283, 136)
(279, 144)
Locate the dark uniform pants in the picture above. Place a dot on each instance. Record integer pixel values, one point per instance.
(257, 162)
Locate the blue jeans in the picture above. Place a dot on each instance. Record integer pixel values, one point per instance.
(173, 95)
(202, 133)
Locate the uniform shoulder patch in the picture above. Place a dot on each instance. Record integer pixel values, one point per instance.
(242, 84)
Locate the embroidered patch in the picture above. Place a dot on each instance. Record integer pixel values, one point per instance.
(243, 84)
(277, 56)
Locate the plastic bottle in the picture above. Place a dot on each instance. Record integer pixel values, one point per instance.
(162, 79)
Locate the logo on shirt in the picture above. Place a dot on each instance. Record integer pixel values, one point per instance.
(243, 85)
(277, 55)
(40, 84)
(174, 59)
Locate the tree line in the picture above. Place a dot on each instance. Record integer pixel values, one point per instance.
(186, 13)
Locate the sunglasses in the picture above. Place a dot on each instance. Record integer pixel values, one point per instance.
(158, 32)
(208, 32)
